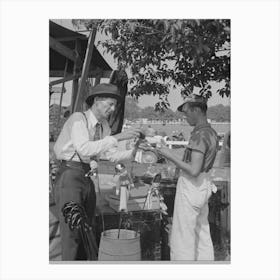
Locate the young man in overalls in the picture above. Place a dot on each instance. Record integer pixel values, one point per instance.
(83, 139)
(190, 236)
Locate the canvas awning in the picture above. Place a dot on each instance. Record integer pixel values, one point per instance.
(62, 47)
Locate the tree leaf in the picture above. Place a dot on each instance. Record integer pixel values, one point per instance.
(182, 51)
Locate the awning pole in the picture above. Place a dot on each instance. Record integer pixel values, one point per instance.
(61, 95)
(86, 65)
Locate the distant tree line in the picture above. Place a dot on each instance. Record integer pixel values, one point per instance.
(217, 113)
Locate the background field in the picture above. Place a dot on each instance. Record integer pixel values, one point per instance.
(184, 128)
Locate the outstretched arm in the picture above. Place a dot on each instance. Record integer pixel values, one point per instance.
(193, 168)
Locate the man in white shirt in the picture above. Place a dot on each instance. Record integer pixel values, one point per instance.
(83, 139)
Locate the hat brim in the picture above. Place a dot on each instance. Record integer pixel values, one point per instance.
(180, 108)
(89, 100)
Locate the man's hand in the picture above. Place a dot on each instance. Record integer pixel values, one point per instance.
(165, 152)
(128, 134)
(145, 146)
(193, 167)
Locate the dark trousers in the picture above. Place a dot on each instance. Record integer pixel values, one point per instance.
(72, 185)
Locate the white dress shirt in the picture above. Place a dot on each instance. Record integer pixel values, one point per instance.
(76, 136)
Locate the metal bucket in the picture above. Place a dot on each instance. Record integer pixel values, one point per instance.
(125, 247)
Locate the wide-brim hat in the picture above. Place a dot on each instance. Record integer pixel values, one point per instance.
(103, 90)
(193, 98)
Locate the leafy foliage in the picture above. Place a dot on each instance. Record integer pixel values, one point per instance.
(162, 53)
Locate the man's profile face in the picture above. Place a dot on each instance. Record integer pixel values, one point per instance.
(105, 106)
(190, 114)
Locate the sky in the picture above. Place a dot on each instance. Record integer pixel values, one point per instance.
(174, 97)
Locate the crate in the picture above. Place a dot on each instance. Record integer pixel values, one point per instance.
(133, 204)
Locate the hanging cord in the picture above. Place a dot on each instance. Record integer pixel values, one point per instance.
(94, 172)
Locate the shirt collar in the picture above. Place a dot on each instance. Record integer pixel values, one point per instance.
(200, 126)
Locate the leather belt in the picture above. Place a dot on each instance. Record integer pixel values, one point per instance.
(76, 165)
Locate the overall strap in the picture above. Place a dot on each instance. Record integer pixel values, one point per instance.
(76, 153)
(86, 119)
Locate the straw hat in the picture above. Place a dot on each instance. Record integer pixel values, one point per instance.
(193, 98)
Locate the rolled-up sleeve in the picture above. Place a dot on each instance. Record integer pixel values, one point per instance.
(198, 143)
